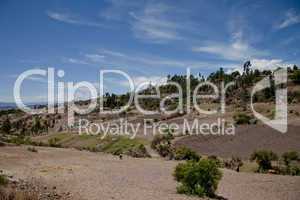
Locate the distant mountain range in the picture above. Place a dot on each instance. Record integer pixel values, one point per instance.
(5, 105)
(8, 105)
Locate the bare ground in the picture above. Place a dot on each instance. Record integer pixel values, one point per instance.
(101, 176)
(247, 139)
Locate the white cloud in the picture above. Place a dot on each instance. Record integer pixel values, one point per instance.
(76, 61)
(118, 9)
(72, 19)
(262, 64)
(153, 25)
(291, 18)
(238, 49)
(265, 64)
(36, 78)
(154, 61)
(95, 57)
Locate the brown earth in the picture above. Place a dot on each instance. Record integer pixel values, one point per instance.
(101, 176)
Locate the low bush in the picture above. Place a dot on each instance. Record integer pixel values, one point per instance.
(216, 160)
(264, 159)
(198, 178)
(242, 118)
(234, 163)
(162, 144)
(290, 156)
(164, 150)
(32, 149)
(184, 153)
(3, 180)
(139, 151)
(159, 139)
(291, 162)
(294, 171)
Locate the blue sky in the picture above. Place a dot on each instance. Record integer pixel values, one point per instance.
(147, 39)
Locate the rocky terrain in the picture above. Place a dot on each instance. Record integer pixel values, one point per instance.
(97, 176)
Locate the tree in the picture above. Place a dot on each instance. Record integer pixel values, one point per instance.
(296, 76)
(246, 67)
(295, 68)
(264, 159)
(6, 126)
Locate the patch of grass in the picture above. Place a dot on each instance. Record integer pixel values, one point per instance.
(18, 140)
(54, 142)
(250, 167)
(110, 144)
(123, 145)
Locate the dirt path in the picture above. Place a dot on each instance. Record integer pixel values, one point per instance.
(101, 176)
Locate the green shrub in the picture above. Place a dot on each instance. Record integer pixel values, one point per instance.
(242, 118)
(184, 153)
(198, 178)
(159, 139)
(162, 144)
(290, 160)
(216, 160)
(3, 180)
(294, 171)
(164, 150)
(264, 159)
(290, 156)
(139, 151)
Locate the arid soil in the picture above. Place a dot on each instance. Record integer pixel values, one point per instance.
(247, 139)
(101, 176)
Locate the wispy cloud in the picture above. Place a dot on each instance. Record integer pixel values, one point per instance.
(237, 49)
(95, 57)
(34, 78)
(118, 10)
(121, 58)
(153, 24)
(75, 61)
(291, 18)
(269, 64)
(73, 19)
